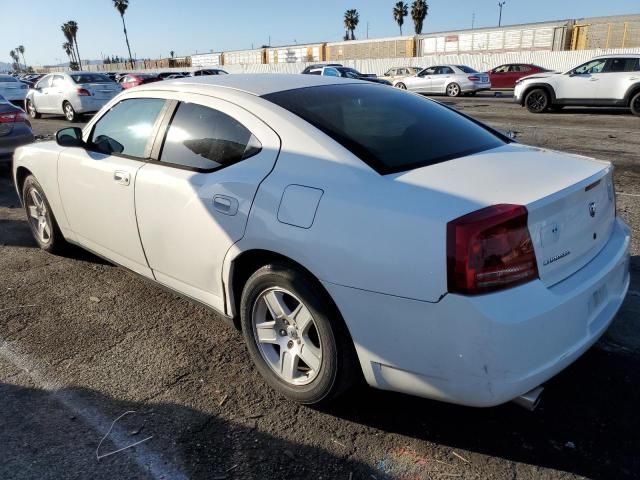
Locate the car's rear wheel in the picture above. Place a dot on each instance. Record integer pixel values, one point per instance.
(635, 104)
(537, 100)
(31, 108)
(69, 112)
(453, 90)
(295, 336)
(401, 86)
(40, 217)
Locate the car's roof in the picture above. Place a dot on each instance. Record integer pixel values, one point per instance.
(619, 55)
(256, 84)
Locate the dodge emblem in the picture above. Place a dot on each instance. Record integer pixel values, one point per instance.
(592, 209)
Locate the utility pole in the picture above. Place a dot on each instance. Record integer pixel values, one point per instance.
(473, 20)
(500, 5)
(367, 30)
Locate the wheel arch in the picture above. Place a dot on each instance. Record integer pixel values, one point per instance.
(545, 86)
(631, 92)
(20, 176)
(246, 263)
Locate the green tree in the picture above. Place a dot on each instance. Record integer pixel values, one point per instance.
(400, 11)
(73, 29)
(419, 11)
(351, 20)
(70, 32)
(121, 6)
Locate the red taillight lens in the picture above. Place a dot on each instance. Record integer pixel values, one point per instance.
(474, 78)
(83, 92)
(490, 250)
(12, 117)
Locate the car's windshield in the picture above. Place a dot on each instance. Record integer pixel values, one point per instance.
(7, 79)
(387, 128)
(466, 69)
(90, 78)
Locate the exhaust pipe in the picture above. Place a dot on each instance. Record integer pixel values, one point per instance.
(529, 400)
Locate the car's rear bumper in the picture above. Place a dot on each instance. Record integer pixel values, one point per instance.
(486, 350)
(86, 104)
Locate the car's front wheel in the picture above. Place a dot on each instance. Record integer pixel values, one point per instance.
(401, 86)
(635, 104)
(69, 112)
(295, 335)
(537, 100)
(31, 108)
(40, 217)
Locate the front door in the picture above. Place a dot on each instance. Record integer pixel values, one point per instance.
(193, 204)
(422, 81)
(97, 184)
(41, 94)
(582, 82)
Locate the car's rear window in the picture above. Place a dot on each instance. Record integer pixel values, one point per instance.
(466, 69)
(389, 129)
(7, 78)
(90, 78)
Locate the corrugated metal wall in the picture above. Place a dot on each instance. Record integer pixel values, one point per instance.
(560, 61)
(619, 34)
(398, 47)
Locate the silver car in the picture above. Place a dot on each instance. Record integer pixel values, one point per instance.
(452, 80)
(70, 94)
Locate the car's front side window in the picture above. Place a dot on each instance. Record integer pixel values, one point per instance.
(127, 128)
(44, 83)
(205, 139)
(331, 72)
(594, 66)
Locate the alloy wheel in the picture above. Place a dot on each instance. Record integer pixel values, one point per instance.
(402, 86)
(69, 113)
(537, 101)
(32, 109)
(38, 215)
(287, 336)
(453, 90)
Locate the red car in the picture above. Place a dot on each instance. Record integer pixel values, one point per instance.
(505, 76)
(134, 79)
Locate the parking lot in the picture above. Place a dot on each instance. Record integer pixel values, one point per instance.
(83, 342)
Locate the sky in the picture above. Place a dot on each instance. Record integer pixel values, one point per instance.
(156, 27)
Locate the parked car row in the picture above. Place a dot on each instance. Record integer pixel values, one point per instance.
(15, 129)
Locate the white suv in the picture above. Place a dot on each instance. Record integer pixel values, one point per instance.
(607, 81)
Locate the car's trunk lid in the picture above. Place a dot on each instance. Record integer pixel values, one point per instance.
(102, 91)
(559, 190)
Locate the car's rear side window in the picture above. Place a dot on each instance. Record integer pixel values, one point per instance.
(205, 139)
(389, 129)
(127, 128)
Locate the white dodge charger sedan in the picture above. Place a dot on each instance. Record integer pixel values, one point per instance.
(350, 230)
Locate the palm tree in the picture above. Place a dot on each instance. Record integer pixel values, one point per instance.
(66, 31)
(419, 11)
(16, 60)
(20, 49)
(73, 29)
(400, 11)
(351, 20)
(68, 49)
(172, 53)
(121, 7)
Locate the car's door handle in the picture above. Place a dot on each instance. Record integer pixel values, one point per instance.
(123, 178)
(225, 204)
(593, 79)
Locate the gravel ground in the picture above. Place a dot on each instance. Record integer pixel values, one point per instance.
(83, 342)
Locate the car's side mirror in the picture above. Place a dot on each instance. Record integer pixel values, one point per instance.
(70, 137)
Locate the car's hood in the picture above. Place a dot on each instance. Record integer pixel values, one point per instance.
(375, 80)
(540, 76)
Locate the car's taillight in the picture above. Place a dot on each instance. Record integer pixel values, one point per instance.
(83, 92)
(12, 117)
(489, 250)
(474, 78)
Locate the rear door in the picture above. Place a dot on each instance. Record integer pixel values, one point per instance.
(616, 78)
(56, 93)
(97, 184)
(442, 77)
(193, 204)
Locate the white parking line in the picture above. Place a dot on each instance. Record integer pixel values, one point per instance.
(627, 194)
(147, 460)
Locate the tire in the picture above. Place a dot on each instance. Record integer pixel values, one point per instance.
(305, 333)
(69, 112)
(42, 222)
(401, 86)
(635, 104)
(537, 100)
(31, 109)
(453, 90)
